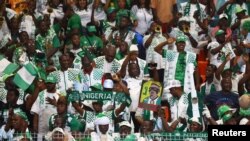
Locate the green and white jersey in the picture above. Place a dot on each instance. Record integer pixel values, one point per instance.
(66, 79)
(95, 77)
(107, 67)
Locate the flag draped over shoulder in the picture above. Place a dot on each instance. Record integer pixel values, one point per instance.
(25, 76)
(6, 66)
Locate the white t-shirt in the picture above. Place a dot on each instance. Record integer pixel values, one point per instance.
(85, 16)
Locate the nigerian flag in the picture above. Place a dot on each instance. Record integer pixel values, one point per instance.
(6, 66)
(25, 76)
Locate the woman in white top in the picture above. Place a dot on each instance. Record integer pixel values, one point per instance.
(81, 8)
(143, 14)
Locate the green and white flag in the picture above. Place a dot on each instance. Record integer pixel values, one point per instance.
(25, 76)
(6, 66)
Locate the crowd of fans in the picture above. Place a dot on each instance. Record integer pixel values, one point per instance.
(53, 50)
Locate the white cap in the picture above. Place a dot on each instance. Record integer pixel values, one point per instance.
(125, 123)
(108, 84)
(173, 83)
(223, 15)
(133, 47)
(184, 18)
(58, 129)
(195, 119)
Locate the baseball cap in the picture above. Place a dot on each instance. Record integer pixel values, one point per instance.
(184, 19)
(133, 47)
(219, 32)
(173, 83)
(125, 123)
(181, 39)
(91, 28)
(50, 79)
(239, 9)
(195, 119)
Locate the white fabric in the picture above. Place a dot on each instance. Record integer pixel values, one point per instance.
(151, 55)
(44, 110)
(225, 50)
(134, 86)
(108, 83)
(85, 16)
(143, 16)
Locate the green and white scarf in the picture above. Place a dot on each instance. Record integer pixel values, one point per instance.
(170, 59)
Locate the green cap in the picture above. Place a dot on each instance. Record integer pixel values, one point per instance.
(96, 86)
(239, 9)
(222, 110)
(91, 28)
(50, 79)
(181, 39)
(111, 10)
(219, 32)
(246, 25)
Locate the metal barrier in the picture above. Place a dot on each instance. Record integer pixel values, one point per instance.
(164, 136)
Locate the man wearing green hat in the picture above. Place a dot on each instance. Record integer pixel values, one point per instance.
(92, 42)
(179, 65)
(45, 104)
(245, 31)
(219, 49)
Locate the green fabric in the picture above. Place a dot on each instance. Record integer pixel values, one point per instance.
(203, 89)
(219, 32)
(91, 28)
(50, 79)
(188, 6)
(119, 55)
(146, 71)
(128, 4)
(181, 67)
(244, 112)
(74, 23)
(190, 106)
(89, 41)
(246, 25)
(57, 27)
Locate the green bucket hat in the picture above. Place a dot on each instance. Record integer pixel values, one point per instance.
(219, 32)
(239, 9)
(91, 28)
(50, 79)
(181, 39)
(222, 112)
